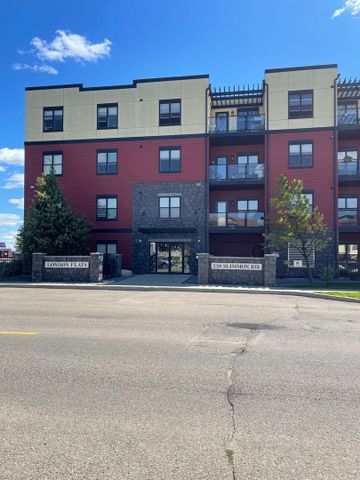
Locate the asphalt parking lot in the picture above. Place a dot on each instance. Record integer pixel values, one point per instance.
(177, 385)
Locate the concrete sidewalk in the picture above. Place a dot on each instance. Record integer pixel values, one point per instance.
(176, 283)
(158, 279)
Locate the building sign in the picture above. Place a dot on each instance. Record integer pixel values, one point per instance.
(66, 264)
(236, 266)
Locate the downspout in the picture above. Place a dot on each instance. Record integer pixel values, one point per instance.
(266, 159)
(207, 92)
(335, 175)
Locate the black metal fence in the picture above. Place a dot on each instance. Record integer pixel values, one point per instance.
(346, 276)
(10, 267)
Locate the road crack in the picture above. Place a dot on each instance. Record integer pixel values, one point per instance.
(230, 396)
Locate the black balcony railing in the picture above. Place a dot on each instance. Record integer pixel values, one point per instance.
(348, 168)
(236, 220)
(237, 123)
(236, 172)
(348, 217)
(349, 118)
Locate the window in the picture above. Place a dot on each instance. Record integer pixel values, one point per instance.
(106, 247)
(169, 207)
(300, 155)
(248, 214)
(221, 122)
(348, 211)
(106, 208)
(170, 159)
(348, 252)
(248, 166)
(348, 162)
(249, 119)
(107, 116)
(53, 119)
(301, 104)
(310, 197)
(52, 161)
(106, 162)
(248, 205)
(169, 112)
(296, 258)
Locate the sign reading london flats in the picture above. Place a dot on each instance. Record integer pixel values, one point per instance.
(66, 264)
(236, 266)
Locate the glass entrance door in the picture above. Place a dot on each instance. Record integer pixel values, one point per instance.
(169, 257)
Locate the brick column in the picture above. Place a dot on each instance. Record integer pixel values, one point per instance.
(37, 267)
(203, 268)
(96, 267)
(270, 270)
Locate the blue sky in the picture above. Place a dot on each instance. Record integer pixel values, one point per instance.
(115, 41)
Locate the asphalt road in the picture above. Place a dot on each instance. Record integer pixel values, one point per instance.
(178, 386)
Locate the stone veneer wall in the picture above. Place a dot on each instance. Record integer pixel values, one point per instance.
(148, 227)
(265, 277)
(94, 273)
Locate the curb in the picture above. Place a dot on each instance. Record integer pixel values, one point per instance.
(200, 289)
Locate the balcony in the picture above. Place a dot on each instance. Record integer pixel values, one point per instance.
(237, 124)
(348, 220)
(349, 173)
(236, 222)
(348, 123)
(349, 118)
(227, 176)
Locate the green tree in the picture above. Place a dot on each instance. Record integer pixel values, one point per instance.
(294, 221)
(50, 226)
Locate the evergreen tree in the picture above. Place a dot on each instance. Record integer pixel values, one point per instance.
(50, 226)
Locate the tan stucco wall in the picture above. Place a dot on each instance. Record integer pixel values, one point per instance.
(319, 80)
(138, 110)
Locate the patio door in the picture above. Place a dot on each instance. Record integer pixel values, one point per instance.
(169, 257)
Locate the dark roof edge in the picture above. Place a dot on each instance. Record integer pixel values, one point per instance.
(117, 87)
(310, 67)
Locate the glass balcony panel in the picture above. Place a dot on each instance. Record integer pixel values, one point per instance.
(348, 117)
(255, 219)
(217, 219)
(245, 122)
(348, 168)
(348, 217)
(217, 172)
(236, 171)
(236, 219)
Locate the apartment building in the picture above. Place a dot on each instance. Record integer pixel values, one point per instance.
(166, 168)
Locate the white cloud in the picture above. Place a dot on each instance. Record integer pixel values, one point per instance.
(353, 6)
(16, 180)
(19, 202)
(8, 236)
(9, 220)
(36, 68)
(12, 156)
(70, 45)
(2, 169)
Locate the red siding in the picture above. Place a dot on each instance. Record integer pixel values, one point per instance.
(319, 179)
(138, 161)
(232, 196)
(233, 151)
(236, 245)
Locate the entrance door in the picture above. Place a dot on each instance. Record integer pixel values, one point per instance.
(169, 257)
